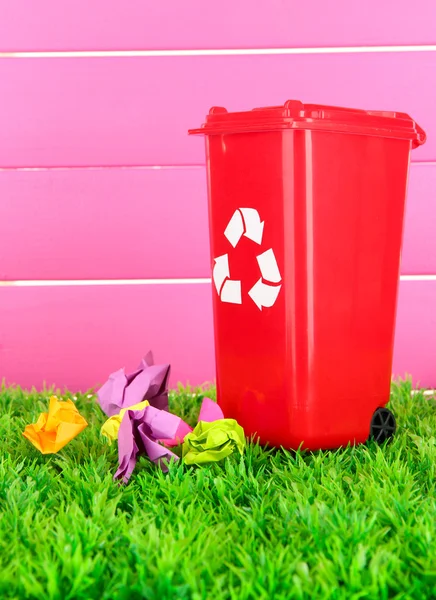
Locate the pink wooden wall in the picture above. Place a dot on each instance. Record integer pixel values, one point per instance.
(103, 216)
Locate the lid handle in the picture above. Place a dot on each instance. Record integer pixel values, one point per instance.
(218, 110)
(293, 106)
(421, 137)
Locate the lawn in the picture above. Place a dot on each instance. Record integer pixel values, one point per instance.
(355, 523)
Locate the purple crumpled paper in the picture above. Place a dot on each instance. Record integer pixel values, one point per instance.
(138, 434)
(148, 382)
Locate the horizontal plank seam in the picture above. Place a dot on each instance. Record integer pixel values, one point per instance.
(105, 167)
(416, 163)
(101, 282)
(418, 278)
(120, 282)
(218, 52)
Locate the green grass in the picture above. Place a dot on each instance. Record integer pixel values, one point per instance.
(355, 523)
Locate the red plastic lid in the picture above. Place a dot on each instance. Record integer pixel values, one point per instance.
(296, 115)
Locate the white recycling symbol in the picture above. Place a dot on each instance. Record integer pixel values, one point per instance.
(246, 221)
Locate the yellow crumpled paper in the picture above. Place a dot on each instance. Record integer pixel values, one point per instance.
(211, 442)
(111, 427)
(55, 429)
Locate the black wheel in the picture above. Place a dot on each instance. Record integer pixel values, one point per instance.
(383, 425)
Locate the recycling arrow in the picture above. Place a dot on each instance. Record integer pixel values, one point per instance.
(228, 289)
(231, 292)
(268, 266)
(264, 295)
(221, 271)
(245, 221)
(253, 225)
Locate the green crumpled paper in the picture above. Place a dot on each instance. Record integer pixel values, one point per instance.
(211, 442)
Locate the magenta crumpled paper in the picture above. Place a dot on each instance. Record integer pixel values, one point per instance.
(148, 382)
(209, 411)
(139, 434)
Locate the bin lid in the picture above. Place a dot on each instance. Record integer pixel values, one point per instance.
(296, 115)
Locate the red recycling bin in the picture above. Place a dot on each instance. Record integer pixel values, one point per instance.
(306, 207)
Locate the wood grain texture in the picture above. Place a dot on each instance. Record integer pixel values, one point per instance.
(137, 111)
(146, 24)
(103, 224)
(75, 337)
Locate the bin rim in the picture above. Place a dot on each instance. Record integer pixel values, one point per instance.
(314, 117)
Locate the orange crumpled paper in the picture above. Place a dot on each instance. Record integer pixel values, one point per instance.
(55, 429)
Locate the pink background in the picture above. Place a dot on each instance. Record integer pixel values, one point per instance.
(99, 180)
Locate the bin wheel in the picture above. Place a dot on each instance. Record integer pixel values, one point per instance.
(383, 425)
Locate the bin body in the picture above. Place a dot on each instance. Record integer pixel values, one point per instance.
(305, 297)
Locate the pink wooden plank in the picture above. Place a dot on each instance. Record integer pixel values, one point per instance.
(419, 256)
(103, 224)
(143, 24)
(415, 344)
(75, 337)
(136, 111)
(142, 223)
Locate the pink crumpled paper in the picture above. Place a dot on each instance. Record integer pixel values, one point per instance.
(210, 411)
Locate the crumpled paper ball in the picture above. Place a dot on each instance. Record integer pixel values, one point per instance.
(111, 427)
(209, 411)
(55, 429)
(148, 382)
(213, 441)
(139, 434)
